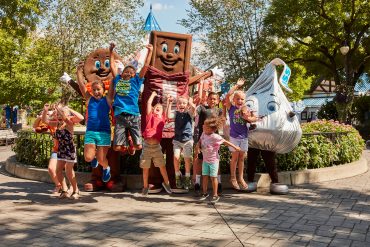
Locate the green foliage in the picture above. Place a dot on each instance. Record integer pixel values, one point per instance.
(361, 107)
(328, 111)
(324, 143)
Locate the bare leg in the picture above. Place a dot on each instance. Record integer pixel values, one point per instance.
(205, 184)
(89, 152)
(71, 175)
(60, 167)
(176, 163)
(163, 171)
(52, 168)
(187, 165)
(145, 177)
(241, 156)
(101, 156)
(214, 185)
(234, 161)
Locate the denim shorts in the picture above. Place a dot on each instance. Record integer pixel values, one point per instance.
(54, 156)
(242, 143)
(97, 138)
(209, 169)
(132, 124)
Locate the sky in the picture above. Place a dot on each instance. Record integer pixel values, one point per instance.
(167, 13)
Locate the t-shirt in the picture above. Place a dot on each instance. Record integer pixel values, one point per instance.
(154, 126)
(203, 113)
(98, 115)
(164, 84)
(210, 144)
(238, 126)
(127, 95)
(183, 126)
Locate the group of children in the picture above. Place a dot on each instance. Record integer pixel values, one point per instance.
(123, 95)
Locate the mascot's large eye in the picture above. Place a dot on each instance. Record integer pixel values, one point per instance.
(164, 47)
(176, 49)
(97, 64)
(272, 106)
(249, 104)
(107, 63)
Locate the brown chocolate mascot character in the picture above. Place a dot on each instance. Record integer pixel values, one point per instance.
(97, 67)
(168, 74)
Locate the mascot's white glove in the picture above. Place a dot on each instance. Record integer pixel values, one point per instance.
(65, 78)
(218, 73)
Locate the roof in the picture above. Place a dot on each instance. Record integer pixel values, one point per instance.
(327, 86)
(151, 23)
(316, 102)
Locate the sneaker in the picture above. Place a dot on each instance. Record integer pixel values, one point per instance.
(204, 197)
(63, 194)
(197, 189)
(145, 191)
(187, 183)
(75, 195)
(178, 182)
(106, 175)
(94, 163)
(167, 187)
(215, 199)
(219, 188)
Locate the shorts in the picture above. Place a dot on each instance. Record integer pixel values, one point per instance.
(54, 156)
(149, 153)
(97, 138)
(132, 124)
(242, 143)
(209, 169)
(186, 147)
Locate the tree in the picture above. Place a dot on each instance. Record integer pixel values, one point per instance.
(315, 32)
(234, 37)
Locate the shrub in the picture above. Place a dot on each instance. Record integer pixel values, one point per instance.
(324, 143)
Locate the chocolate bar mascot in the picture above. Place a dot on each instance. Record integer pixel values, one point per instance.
(279, 131)
(168, 73)
(97, 67)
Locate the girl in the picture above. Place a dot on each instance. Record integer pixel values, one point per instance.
(66, 154)
(210, 143)
(98, 131)
(238, 134)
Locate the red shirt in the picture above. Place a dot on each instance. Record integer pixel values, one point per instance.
(154, 126)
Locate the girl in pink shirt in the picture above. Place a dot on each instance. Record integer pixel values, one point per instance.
(210, 143)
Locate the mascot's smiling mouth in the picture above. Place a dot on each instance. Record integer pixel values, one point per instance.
(168, 62)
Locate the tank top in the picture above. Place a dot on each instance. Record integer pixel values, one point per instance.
(98, 115)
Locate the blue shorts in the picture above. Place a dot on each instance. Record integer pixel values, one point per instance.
(209, 169)
(97, 138)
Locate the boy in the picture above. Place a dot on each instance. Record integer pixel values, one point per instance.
(126, 108)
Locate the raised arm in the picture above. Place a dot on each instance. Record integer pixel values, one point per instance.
(149, 107)
(77, 117)
(80, 81)
(169, 106)
(110, 94)
(111, 60)
(192, 107)
(147, 61)
(239, 83)
(44, 115)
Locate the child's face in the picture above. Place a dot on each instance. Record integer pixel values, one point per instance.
(182, 104)
(97, 90)
(158, 109)
(212, 100)
(239, 100)
(128, 73)
(207, 129)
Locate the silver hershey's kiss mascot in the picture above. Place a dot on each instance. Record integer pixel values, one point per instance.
(279, 131)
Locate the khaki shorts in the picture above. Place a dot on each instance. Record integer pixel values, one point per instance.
(151, 153)
(185, 147)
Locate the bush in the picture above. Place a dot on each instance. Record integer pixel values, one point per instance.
(324, 143)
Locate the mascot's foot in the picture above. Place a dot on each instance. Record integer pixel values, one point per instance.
(154, 189)
(93, 186)
(279, 189)
(251, 187)
(114, 186)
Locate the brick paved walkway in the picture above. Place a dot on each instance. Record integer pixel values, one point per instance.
(333, 213)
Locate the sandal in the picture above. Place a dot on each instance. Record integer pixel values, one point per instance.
(243, 185)
(234, 184)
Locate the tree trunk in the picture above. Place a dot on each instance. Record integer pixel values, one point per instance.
(343, 109)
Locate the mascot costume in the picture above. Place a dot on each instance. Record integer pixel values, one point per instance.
(169, 75)
(97, 67)
(279, 131)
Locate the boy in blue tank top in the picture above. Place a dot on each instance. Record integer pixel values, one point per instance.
(126, 90)
(98, 132)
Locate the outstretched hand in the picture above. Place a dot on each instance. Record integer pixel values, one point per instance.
(217, 72)
(112, 45)
(240, 82)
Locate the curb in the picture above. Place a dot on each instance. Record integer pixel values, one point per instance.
(263, 180)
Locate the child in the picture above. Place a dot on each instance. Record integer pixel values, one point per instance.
(98, 132)
(66, 149)
(152, 151)
(238, 134)
(210, 143)
(126, 89)
(183, 140)
(39, 127)
(203, 113)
